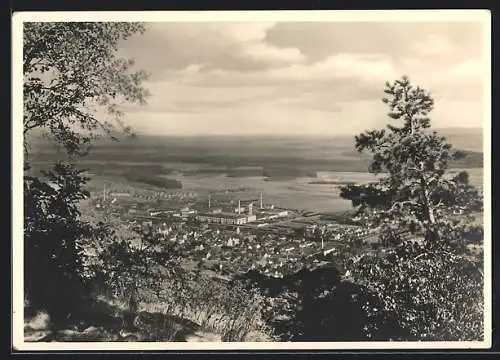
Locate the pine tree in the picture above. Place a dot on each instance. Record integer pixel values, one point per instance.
(433, 288)
(413, 193)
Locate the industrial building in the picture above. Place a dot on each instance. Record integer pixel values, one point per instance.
(217, 216)
(225, 218)
(273, 214)
(242, 214)
(186, 211)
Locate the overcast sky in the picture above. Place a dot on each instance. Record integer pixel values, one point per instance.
(301, 78)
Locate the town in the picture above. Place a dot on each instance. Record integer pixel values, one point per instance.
(229, 236)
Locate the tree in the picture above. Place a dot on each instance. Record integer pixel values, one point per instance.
(428, 281)
(415, 195)
(71, 71)
(51, 226)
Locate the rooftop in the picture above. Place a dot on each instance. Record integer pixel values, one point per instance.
(226, 215)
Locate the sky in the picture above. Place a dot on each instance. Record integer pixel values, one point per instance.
(301, 78)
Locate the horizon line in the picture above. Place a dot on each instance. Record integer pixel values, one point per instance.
(137, 133)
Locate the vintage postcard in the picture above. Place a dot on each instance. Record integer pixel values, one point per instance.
(251, 180)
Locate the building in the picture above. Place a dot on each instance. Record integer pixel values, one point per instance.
(186, 211)
(120, 194)
(273, 214)
(225, 218)
(241, 209)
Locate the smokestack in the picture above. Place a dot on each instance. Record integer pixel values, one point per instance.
(239, 206)
(250, 209)
(104, 193)
(209, 198)
(261, 205)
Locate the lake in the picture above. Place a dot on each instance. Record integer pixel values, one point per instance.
(291, 193)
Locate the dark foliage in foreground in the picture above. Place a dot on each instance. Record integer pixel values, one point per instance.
(52, 231)
(70, 71)
(317, 305)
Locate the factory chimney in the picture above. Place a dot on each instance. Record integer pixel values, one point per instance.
(261, 205)
(104, 193)
(209, 198)
(250, 209)
(239, 207)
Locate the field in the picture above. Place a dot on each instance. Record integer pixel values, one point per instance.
(293, 172)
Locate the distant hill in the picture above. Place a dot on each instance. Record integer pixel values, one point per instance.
(303, 154)
(470, 139)
(461, 138)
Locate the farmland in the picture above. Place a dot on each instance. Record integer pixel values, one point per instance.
(295, 172)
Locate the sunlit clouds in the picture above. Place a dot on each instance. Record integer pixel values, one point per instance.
(301, 78)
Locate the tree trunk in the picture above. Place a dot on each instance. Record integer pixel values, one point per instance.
(431, 233)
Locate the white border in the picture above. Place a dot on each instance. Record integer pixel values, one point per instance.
(19, 18)
(257, 16)
(488, 287)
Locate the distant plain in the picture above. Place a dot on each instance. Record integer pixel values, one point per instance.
(293, 172)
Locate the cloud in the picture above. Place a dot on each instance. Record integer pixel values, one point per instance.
(337, 70)
(456, 80)
(317, 40)
(471, 68)
(301, 77)
(244, 32)
(250, 42)
(231, 46)
(434, 45)
(344, 118)
(175, 96)
(262, 119)
(192, 69)
(327, 85)
(364, 67)
(268, 53)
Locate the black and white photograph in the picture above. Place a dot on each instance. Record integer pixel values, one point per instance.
(251, 180)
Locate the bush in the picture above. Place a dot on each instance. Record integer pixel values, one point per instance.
(434, 295)
(223, 308)
(317, 305)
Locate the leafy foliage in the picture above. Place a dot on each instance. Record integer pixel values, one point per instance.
(128, 266)
(435, 295)
(70, 72)
(317, 305)
(51, 238)
(126, 262)
(430, 283)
